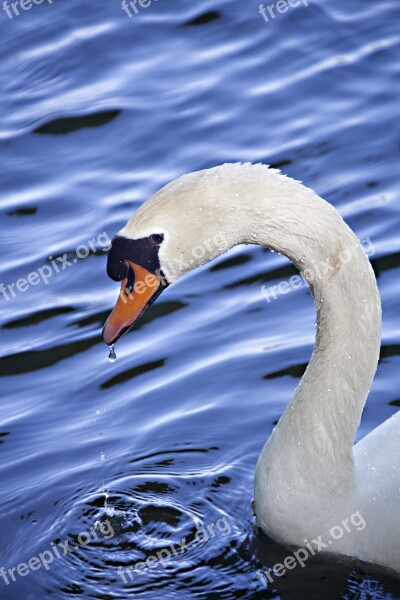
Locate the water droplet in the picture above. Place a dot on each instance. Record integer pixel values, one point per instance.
(112, 357)
(254, 236)
(103, 456)
(106, 497)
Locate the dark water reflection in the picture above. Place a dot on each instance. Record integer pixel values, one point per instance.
(99, 111)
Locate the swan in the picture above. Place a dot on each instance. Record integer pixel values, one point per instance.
(310, 478)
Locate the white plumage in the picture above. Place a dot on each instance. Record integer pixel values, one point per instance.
(309, 477)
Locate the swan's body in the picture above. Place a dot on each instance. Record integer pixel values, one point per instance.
(309, 477)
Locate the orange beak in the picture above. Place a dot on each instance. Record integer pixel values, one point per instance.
(131, 303)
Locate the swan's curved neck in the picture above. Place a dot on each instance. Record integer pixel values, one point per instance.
(319, 425)
(255, 204)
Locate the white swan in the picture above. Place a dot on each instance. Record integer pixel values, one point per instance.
(309, 477)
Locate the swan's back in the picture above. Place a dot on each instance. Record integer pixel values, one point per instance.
(377, 460)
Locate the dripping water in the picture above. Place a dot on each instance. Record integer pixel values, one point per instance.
(112, 357)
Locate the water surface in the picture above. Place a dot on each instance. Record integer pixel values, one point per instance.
(98, 111)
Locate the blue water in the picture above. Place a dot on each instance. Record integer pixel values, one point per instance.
(99, 110)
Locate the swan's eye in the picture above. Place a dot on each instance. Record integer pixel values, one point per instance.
(157, 238)
(130, 282)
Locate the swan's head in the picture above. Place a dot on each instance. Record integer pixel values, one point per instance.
(134, 262)
(179, 228)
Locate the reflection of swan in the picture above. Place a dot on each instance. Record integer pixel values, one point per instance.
(309, 477)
